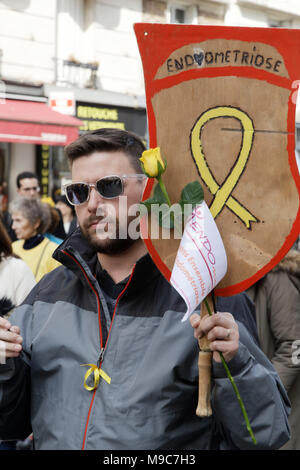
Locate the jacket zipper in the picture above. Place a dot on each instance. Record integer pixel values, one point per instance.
(100, 358)
(102, 351)
(93, 289)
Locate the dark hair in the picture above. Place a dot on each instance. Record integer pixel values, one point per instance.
(55, 219)
(23, 175)
(5, 242)
(109, 140)
(65, 201)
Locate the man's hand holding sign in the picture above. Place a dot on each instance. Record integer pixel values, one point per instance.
(201, 250)
(221, 331)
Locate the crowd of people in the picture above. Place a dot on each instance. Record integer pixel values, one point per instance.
(35, 227)
(32, 230)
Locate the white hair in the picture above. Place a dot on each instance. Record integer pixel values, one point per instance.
(33, 210)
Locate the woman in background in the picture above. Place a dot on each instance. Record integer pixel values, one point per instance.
(56, 219)
(16, 281)
(31, 219)
(68, 214)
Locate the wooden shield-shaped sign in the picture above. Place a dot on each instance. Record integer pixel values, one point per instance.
(221, 106)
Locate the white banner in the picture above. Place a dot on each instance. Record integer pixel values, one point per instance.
(201, 260)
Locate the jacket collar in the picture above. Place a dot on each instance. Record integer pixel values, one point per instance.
(76, 254)
(75, 244)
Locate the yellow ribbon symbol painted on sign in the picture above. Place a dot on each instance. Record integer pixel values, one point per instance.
(97, 374)
(223, 193)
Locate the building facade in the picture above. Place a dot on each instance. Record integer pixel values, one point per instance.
(80, 57)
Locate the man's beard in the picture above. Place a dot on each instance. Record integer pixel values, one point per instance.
(107, 245)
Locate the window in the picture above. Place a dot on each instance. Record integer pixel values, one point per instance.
(275, 23)
(177, 14)
(75, 48)
(180, 14)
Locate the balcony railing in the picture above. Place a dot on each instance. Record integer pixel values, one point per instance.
(75, 73)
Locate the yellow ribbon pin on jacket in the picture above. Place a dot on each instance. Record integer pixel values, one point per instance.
(98, 372)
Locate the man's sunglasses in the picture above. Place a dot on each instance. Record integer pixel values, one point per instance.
(108, 187)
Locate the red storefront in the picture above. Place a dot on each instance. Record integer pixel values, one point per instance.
(26, 127)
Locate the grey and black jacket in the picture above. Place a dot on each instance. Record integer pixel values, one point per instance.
(149, 354)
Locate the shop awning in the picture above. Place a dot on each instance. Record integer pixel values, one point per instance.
(35, 123)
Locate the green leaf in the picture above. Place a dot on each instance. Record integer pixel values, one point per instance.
(166, 219)
(149, 202)
(160, 168)
(192, 193)
(158, 198)
(159, 195)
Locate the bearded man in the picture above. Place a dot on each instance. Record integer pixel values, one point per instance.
(111, 364)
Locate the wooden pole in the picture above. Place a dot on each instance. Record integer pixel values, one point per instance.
(204, 366)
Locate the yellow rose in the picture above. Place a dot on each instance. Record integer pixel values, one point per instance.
(150, 159)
